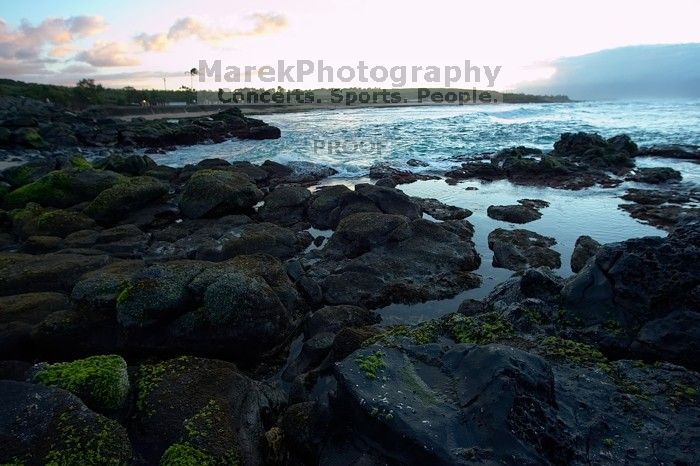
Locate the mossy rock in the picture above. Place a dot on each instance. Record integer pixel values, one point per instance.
(481, 329)
(208, 439)
(198, 408)
(180, 454)
(217, 192)
(123, 198)
(102, 382)
(48, 426)
(29, 137)
(62, 188)
(132, 165)
(34, 220)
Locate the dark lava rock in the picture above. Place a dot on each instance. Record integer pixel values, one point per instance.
(513, 213)
(63, 188)
(133, 165)
(585, 248)
(671, 151)
(201, 411)
(519, 249)
(124, 198)
(285, 205)
(375, 259)
(216, 192)
(34, 220)
(45, 425)
(441, 211)
(332, 319)
(22, 273)
(239, 308)
(636, 283)
(385, 172)
(655, 175)
(267, 238)
(329, 205)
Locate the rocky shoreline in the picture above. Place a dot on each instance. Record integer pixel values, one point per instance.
(222, 313)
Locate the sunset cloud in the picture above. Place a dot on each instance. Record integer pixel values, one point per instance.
(188, 27)
(108, 54)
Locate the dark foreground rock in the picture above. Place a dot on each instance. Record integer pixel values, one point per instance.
(44, 425)
(473, 404)
(528, 210)
(641, 288)
(519, 249)
(585, 248)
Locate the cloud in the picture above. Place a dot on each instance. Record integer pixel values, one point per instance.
(152, 42)
(61, 51)
(185, 28)
(108, 54)
(23, 50)
(29, 41)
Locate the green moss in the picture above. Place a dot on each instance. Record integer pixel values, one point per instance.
(482, 329)
(149, 378)
(573, 351)
(205, 422)
(79, 163)
(86, 444)
(101, 381)
(370, 365)
(21, 175)
(613, 326)
(52, 188)
(608, 443)
(30, 138)
(124, 292)
(180, 454)
(681, 394)
(421, 334)
(534, 316)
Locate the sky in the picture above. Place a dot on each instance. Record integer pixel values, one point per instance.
(138, 43)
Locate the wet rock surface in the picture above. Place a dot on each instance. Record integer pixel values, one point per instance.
(519, 249)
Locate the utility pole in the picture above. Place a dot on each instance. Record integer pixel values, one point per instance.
(165, 87)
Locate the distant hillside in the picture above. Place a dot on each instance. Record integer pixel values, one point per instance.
(644, 71)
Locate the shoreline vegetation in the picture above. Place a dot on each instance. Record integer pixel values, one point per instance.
(125, 102)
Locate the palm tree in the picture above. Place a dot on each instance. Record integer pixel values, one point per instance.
(193, 72)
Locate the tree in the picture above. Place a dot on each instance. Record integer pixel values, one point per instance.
(88, 93)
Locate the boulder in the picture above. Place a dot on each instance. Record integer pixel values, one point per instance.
(520, 249)
(199, 411)
(47, 425)
(63, 188)
(132, 165)
(266, 238)
(22, 273)
(123, 198)
(441, 211)
(216, 192)
(513, 213)
(102, 382)
(374, 259)
(34, 220)
(655, 175)
(585, 248)
(629, 285)
(285, 205)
